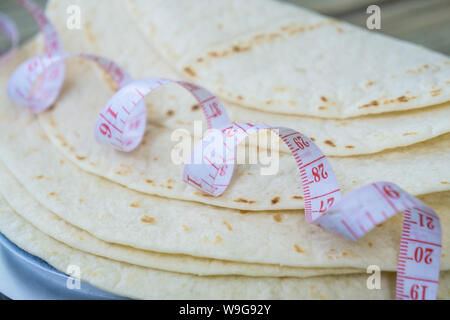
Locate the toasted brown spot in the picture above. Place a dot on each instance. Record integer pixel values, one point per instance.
(228, 225)
(403, 99)
(202, 194)
(189, 71)
(269, 101)
(80, 157)
(297, 197)
(409, 133)
(213, 54)
(149, 180)
(436, 92)
(330, 143)
(39, 177)
(239, 97)
(200, 60)
(340, 30)
(275, 200)
(148, 219)
(80, 200)
(323, 108)
(344, 253)
(350, 147)
(444, 182)
(185, 227)
(323, 98)
(243, 211)
(219, 26)
(313, 139)
(195, 107)
(370, 244)
(278, 217)
(298, 249)
(370, 83)
(218, 239)
(52, 194)
(52, 122)
(170, 113)
(370, 104)
(244, 200)
(134, 205)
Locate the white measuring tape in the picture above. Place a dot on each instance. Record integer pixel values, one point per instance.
(36, 84)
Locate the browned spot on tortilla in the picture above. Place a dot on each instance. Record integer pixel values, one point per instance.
(330, 143)
(344, 253)
(239, 97)
(370, 244)
(169, 187)
(370, 83)
(52, 122)
(324, 99)
(185, 227)
(313, 139)
(403, 99)
(444, 182)
(134, 205)
(81, 158)
(340, 30)
(213, 54)
(297, 197)
(269, 101)
(292, 102)
(199, 60)
(409, 133)
(350, 147)
(51, 194)
(244, 200)
(39, 177)
(436, 92)
(148, 219)
(149, 180)
(275, 200)
(202, 194)
(218, 239)
(92, 164)
(62, 161)
(243, 211)
(72, 149)
(277, 217)
(237, 48)
(155, 159)
(322, 108)
(370, 104)
(189, 71)
(195, 107)
(227, 225)
(219, 26)
(80, 200)
(170, 113)
(298, 248)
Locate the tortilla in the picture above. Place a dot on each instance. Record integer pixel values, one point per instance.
(294, 61)
(173, 107)
(168, 225)
(145, 283)
(49, 223)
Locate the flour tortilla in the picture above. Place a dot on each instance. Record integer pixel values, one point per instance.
(150, 168)
(116, 214)
(47, 222)
(172, 107)
(294, 61)
(145, 283)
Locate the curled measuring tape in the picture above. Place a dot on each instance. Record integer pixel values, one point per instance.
(121, 124)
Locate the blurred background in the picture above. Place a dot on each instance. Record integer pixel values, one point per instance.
(426, 22)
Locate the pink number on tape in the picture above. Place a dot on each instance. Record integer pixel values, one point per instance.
(36, 84)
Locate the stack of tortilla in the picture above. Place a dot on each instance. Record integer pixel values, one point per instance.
(378, 107)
